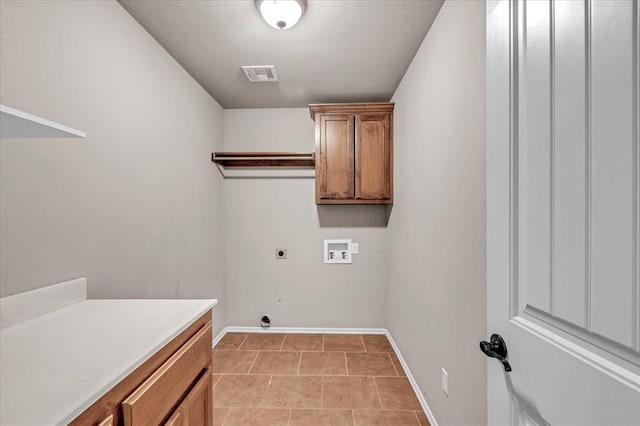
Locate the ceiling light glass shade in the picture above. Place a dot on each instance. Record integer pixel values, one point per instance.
(281, 14)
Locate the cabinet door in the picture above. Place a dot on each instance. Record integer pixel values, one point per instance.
(373, 157)
(154, 399)
(107, 422)
(335, 159)
(197, 407)
(175, 419)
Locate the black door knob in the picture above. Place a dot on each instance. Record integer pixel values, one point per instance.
(496, 348)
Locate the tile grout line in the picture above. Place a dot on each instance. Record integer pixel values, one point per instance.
(283, 339)
(217, 383)
(225, 417)
(375, 382)
(393, 363)
(261, 403)
(353, 416)
(243, 340)
(299, 364)
(415, 413)
(346, 364)
(254, 362)
(321, 392)
(384, 376)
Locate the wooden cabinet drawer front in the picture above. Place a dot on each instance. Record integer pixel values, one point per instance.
(154, 399)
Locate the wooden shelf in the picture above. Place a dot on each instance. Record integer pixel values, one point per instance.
(264, 159)
(21, 125)
(351, 108)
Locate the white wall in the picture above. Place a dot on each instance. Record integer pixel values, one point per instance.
(437, 226)
(137, 206)
(265, 214)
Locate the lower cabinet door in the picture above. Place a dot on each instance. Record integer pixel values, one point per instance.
(107, 422)
(197, 407)
(154, 399)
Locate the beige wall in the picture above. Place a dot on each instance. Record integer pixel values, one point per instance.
(137, 206)
(437, 227)
(263, 214)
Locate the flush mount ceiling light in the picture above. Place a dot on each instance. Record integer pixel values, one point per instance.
(281, 14)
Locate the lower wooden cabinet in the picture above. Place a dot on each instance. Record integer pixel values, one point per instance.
(173, 387)
(107, 422)
(154, 400)
(197, 407)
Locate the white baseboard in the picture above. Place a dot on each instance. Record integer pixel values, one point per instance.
(320, 330)
(219, 337)
(412, 380)
(297, 330)
(305, 330)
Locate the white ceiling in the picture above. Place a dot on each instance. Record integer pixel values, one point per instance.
(340, 51)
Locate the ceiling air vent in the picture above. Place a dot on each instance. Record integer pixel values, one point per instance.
(260, 73)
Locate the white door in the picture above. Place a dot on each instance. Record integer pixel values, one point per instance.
(563, 210)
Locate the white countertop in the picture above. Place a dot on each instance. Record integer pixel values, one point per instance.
(54, 366)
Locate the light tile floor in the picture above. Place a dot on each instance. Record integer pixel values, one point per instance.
(311, 379)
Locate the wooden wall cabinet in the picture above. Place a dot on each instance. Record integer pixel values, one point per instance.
(354, 153)
(173, 387)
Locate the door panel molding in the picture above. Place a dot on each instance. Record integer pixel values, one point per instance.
(608, 348)
(612, 144)
(588, 185)
(534, 177)
(611, 369)
(552, 158)
(569, 162)
(636, 169)
(516, 20)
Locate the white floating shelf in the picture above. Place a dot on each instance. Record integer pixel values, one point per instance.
(21, 125)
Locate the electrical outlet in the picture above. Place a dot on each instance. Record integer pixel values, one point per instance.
(281, 253)
(445, 382)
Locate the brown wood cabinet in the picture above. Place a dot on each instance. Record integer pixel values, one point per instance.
(107, 422)
(197, 407)
(174, 386)
(354, 153)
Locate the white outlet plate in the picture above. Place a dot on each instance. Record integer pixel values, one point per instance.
(445, 382)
